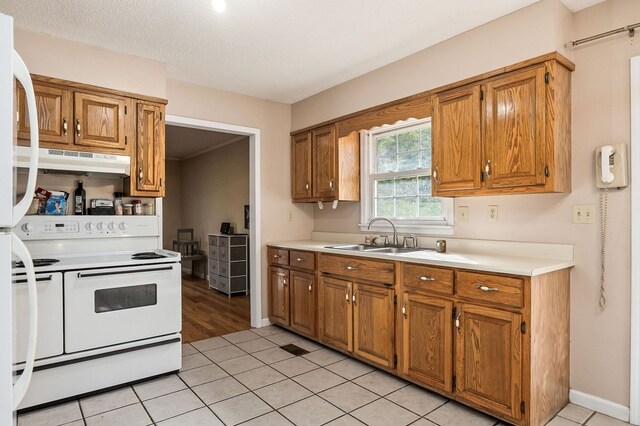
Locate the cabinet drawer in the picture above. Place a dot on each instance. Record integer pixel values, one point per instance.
(213, 267)
(302, 259)
(238, 241)
(223, 241)
(427, 278)
(213, 252)
(278, 256)
(213, 240)
(232, 269)
(357, 267)
(490, 288)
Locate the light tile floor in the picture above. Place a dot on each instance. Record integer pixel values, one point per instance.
(245, 378)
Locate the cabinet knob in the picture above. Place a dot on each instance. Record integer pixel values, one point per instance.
(276, 256)
(458, 321)
(284, 282)
(78, 128)
(351, 268)
(306, 186)
(487, 169)
(331, 184)
(299, 259)
(425, 278)
(435, 175)
(485, 288)
(404, 310)
(309, 288)
(64, 126)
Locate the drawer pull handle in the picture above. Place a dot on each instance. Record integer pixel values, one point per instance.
(276, 256)
(346, 295)
(426, 278)
(309, 288)
(458, 321)
(284, 282)
(299, 259)
(485, 288)
(354, 297)
(351, 268)
(404, 311)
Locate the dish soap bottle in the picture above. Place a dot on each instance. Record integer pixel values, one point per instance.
(80, 200)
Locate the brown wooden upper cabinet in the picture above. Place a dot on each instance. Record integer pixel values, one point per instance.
(55, 116)
(99, 121)
(509, 133)
(325, 167)
(75, 120)
(147, 165)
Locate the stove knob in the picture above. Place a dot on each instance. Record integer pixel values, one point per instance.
(123, 226)
(89, 226)
(100, 226)
(112, 226)
(27, 227)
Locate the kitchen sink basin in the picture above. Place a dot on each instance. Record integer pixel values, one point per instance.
(376, 249)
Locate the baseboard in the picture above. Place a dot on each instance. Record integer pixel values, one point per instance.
(266, 322)
(600, 405)
(197, 274)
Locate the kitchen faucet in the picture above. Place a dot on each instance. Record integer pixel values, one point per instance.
(395, 233)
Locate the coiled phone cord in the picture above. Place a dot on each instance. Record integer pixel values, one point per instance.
(604, 195)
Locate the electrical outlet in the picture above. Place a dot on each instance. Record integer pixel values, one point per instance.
(462, 214)
(290, 216)
(584, 213)
(492, 213)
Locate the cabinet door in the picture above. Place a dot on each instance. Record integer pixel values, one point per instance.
(488, 365)
(149, 167)
(373, 323)
(456, 141)
(514, 139)
(426, 340)
(301, 167)
(303, 303)
(55, 106)
(324, 163)
(279, 296)
(335, 313)
(99, 121)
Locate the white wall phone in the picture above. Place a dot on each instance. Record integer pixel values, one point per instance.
(611, 172)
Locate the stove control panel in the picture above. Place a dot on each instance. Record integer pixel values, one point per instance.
(85, 227)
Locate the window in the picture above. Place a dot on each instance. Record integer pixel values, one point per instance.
(396, 179)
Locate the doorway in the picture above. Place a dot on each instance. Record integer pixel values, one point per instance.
(231, 134)
(634, 406)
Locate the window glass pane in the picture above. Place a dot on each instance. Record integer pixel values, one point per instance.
(406, 186)
(425, 159)
(386, 164)
(409, 141)
(384, 188)
(430, 207)
(408, 161)
(384, 207)
(424, 185)
(425, 138)
(386, 146)
(406, 207)
(115, 299)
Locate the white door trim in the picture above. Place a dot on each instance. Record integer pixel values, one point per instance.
(255, 265)
(634, 398)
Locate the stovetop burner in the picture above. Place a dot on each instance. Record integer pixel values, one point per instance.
(36, 263)
(148, 255)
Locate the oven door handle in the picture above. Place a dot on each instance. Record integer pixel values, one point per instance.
(102, 274)
(49, 278)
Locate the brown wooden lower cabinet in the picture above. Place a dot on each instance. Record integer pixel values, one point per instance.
(336, 313)
(279, 296)
(489, 358)
(426, 340)
(496, 342)
(302, 302)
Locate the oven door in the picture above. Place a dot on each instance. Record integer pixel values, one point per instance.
(108, 306)
(49, 287)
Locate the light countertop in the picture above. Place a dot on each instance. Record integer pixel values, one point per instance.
(487, 262)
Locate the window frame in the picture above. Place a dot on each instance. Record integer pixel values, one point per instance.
(368, 159)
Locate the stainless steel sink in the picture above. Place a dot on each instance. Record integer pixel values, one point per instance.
(376, 249)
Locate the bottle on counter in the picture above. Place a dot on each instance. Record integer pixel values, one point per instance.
(117, 203)
(80, 200)
(137, 207)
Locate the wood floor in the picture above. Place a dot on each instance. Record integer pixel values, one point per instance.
(209, 313)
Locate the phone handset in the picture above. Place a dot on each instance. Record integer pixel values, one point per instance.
(606, 164)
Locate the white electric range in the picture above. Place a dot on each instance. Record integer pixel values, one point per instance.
(109, 304)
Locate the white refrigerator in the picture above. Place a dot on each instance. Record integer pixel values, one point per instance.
(13, 388)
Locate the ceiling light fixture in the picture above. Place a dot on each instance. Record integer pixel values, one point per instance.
(218, 5)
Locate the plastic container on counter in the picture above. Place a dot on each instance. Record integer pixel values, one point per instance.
(147, 209)
(127, 209)
(117, 203)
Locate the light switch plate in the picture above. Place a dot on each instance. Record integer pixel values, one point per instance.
(584, 213)
(462, 214)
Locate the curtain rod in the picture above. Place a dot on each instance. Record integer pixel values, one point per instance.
(627, 28)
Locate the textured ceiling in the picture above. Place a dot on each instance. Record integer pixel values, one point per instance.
(185, 142)
(282, 50)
